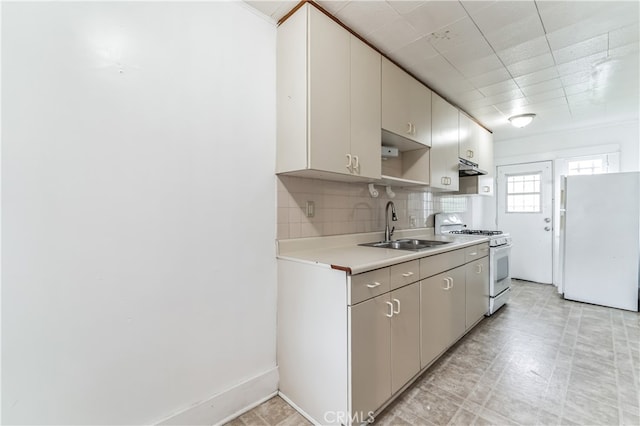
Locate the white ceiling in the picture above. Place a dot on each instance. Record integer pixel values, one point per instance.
(573, 63)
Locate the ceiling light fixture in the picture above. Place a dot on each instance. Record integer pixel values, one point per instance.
(522, 120)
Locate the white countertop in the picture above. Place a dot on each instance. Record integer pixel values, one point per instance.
(343, 252)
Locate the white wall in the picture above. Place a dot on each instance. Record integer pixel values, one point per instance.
(623, 138)
(138, 151)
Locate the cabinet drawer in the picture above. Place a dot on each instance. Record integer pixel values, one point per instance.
(405, 273)
(369, 284)
(476, 252)
(433, 265)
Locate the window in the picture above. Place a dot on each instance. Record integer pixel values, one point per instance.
(523, 193)
(585, 167)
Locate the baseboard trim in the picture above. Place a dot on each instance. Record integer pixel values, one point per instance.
(229, 404)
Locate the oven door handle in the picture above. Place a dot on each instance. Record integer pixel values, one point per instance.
(500, 249)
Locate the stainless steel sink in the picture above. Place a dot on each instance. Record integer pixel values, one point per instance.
(406, 244)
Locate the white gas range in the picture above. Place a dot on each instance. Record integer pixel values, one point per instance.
(499, 256)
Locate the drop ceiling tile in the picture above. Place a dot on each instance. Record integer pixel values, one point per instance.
(623, 36)
(482, 66)
(434, 15)
(542, 87)
(574, 89)
(614, 18)
(513, 107)
(515, 33)
(561, 14)
(414, 52)
(582, 98)
(578, 77)
(404, 7)
(397, 34)
(627, 49)
(455, 35)
(494, 89)
(463, 97)
(582, 64)
(537, 76)
(501, 14)
(526, 50)
(538, 107)
(546, 96)
(333, 6)
(531, 65)
(505, 97)
(441, 76)
(581, 49)
(365, 17)
(475, 6)
(474, 48)
(491, 77)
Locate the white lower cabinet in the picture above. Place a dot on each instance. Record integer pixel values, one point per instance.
(442, 303)
(348, 344)
(385, 346)
(477, 297)
(405, 335)
(370, 354)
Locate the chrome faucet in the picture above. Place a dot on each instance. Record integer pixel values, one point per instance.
(388, 233)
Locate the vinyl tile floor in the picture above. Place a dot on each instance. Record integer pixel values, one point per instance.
(540, 360)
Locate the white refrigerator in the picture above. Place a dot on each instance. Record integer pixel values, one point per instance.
(600, 239)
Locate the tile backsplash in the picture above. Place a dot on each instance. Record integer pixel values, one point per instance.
(347, 208)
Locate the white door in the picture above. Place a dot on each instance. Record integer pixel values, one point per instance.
(525, 206)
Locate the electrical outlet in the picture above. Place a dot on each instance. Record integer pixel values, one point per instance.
(412, 221)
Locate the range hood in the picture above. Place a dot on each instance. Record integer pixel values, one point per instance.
(468, 168)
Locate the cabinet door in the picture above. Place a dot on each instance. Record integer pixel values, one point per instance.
(444, 145)
(485, 161)
(442, 310)
(457, 296)
(329, 79)
(370, 353)
(468, 146)
(419, 98)
(433, 313)
(405, 335)
(365, 108)
(395, 108)
(477, 290)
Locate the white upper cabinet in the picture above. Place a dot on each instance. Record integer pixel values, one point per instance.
(468, 146)
(365, 109)
(328, 100)
(482, 184)
(444, 145)
(406, 106)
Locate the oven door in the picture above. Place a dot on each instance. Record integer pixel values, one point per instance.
(500, 275)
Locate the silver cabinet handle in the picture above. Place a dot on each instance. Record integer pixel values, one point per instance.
(349, 165)
(374, 285)
(407, 274)
(356, 164)
(479, 269)
(547, 228)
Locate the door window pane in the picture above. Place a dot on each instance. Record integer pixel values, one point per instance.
(523, 193)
